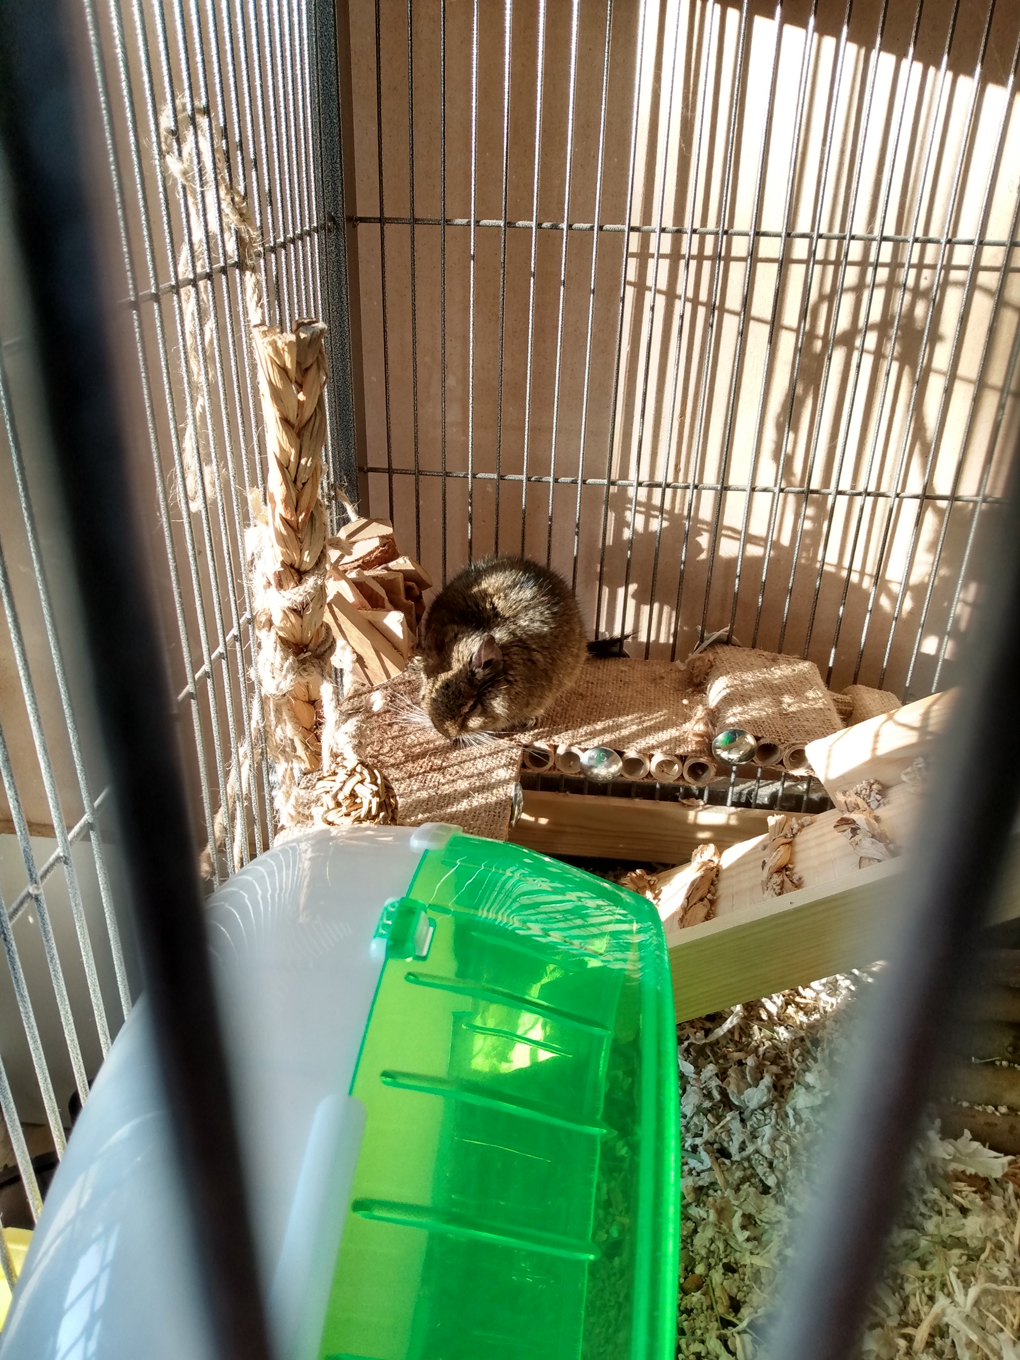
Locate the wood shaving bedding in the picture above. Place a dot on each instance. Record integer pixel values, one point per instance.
(755, 1082)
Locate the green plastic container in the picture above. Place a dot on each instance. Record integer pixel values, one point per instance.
(516, 1195)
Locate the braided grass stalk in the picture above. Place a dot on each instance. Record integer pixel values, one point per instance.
(315, 783)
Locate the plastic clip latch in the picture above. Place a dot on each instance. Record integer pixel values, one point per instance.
(406, 928)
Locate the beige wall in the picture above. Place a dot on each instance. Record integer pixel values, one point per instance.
(882, 359)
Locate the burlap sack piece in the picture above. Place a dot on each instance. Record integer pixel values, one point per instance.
(843, 705)
(630, 705)
(434, 782)
(869, 703)
(775, 698)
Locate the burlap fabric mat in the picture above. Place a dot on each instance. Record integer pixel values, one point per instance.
(630, 705)
(777, 698)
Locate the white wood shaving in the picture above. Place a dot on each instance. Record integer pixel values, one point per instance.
(754, 1084)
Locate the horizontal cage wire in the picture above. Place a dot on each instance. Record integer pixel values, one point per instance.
(709, 305)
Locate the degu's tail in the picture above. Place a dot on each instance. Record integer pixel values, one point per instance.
(606, 648)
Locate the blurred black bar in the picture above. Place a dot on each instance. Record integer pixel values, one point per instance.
(46, 176)
(955, 871)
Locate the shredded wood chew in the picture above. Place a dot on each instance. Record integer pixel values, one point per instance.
(915, 776)
(685, 894)
(869, 794)
(778, 875)
(755, 1084)
(866, 835)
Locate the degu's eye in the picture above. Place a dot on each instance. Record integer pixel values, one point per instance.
(469, 707)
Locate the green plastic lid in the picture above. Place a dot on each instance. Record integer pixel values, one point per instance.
(516, 1195)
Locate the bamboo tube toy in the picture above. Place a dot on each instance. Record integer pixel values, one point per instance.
(568, 760)
(795, 759)
(539, 758)
(635, 765)
(664, 767)
(699, 770)
(768, 754)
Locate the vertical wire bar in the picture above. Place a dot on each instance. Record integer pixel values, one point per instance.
(285, 201)
(229, 459)
(168, 241)
(628, 214)
(471, 285)
(304, 240)
(979, 501)
(932, 143)
(242, 361)
(38, 897)
(255, 116)
(49, 200)
(773, 326)
(848, 405)
(319, 94)
(7, 1262)
(22, 1156)
(507, 50)
(60, 672)
(247, 186)
(539, 95)
(442, 280)
(943, 903)
(120, 50)
(236, 842)
(702, 423)
(589, 330)
(567, 180)
(49, 780)
(735, 372)
(837, 294)
(937, 429)
(337, 279)
(316, 226)
(624, 263)
(690, 238)
(414, 300)
(653, 290)
(266, 75)
(805, 311)
(235, 363)
(24, 1002)
(382, 256)
(926, 335)
(297, 177)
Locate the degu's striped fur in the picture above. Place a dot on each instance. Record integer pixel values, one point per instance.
(502, 640)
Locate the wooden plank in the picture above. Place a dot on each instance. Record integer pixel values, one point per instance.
(628, 828)
(821, 854)
(7, 827)
(881, 748)
(795, 939)
(998, 1131)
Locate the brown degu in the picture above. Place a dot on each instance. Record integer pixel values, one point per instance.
(502, 640)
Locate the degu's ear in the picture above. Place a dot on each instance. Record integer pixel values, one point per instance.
(488, 659)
